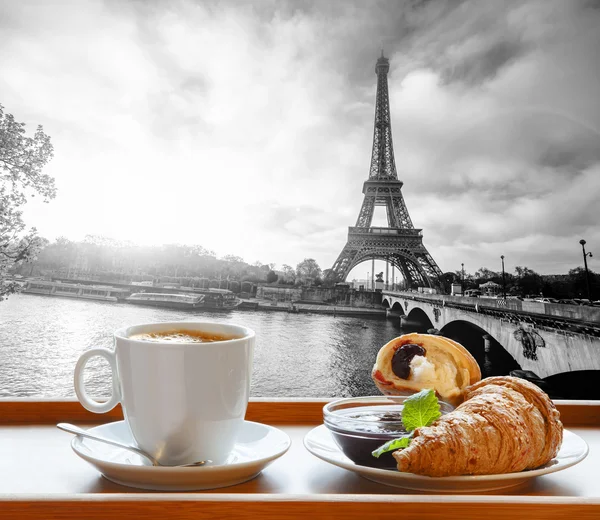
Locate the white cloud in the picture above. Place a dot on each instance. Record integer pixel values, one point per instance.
(248, 128)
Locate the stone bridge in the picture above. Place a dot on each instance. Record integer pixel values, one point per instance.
(505, 335)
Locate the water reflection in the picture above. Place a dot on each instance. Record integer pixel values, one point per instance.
(297, 355)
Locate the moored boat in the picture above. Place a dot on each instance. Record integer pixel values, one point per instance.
(220, 298)
(171, 301)
(74, 290)
(210, 299)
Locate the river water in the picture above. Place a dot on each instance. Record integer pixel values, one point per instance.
(296, 355)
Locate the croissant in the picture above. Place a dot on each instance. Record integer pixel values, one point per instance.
(505, 425)
(412, 362)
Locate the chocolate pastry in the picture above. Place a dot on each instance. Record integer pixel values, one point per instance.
(412, 362)
(505, 425)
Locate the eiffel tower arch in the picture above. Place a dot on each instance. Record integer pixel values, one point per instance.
(399, 244)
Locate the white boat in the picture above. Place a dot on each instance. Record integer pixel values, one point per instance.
(75, 290)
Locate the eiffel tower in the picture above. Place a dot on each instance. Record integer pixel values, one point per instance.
(399, 244)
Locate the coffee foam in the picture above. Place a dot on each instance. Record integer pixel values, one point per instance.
(182, 336)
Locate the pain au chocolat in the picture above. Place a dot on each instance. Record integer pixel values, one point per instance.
(505, 425)
(412, 362)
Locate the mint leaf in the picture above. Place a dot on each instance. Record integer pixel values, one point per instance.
(420, 409)
(393, 445)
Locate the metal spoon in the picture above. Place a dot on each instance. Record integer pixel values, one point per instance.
(71, 428)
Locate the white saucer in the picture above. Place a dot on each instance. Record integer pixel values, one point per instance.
(320, 443)
(258, 445)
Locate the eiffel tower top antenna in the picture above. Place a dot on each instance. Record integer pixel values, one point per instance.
(383, 165)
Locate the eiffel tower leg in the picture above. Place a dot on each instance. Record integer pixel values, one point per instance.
(365, 216)
(411, 269)
(411, 274)
(429, 267)
(343, 264)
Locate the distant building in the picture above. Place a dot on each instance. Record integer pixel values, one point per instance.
(279, 292)
(490, 288)
(456, 289)
(360, 284)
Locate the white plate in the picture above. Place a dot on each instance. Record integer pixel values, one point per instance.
(257, 446)
(320, 443)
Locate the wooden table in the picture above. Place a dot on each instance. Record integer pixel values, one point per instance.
(41, 477)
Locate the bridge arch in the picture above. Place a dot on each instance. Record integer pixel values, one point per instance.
(398, 309)
(393, 305)
(497, 361)
(418, 316)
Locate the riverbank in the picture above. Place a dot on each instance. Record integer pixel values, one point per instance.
(305, 308)
(361, 308)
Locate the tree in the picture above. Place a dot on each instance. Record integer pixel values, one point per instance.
(484, 274)
(577, 281)
(57, 255)
(233, 259)
(22, 159)
(233, 266)
(272, 277)
(328, 278)
(289, 274)
(446, 280)
(308, 270)
(528, 281)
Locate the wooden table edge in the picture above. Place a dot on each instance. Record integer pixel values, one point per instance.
(290, 411)
(297, 507)
(425, 498)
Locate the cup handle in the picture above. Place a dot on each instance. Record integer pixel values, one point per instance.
(88, 403)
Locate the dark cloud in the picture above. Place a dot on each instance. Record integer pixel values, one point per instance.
(484, 64)
(591, 4)
(571, 158)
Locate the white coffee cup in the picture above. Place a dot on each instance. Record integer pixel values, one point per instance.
(183, 402)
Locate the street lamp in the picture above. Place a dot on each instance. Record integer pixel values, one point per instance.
(503, 279)
(587, 274)
(462, 281)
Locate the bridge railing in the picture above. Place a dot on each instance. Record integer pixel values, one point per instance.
(575, 312)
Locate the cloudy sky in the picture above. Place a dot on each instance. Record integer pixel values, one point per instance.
(247, 127)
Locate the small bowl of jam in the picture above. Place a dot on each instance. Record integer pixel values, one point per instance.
(360, 425)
